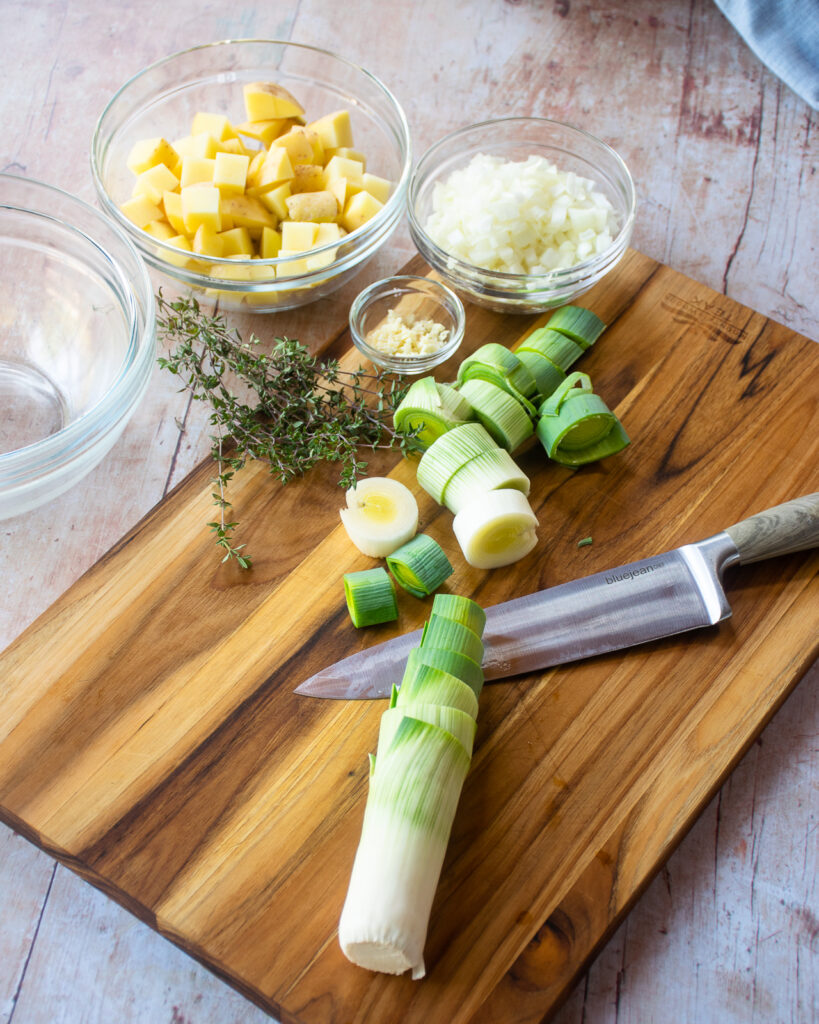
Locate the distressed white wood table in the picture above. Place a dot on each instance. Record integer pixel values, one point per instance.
(725, 161)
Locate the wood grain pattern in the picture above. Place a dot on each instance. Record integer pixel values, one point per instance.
(177, 770)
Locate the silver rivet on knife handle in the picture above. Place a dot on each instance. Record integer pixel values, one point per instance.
(781, 530)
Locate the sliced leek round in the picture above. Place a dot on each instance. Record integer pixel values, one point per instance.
(451, 635)
(448, 453)
(462, 609)
(430, 409)
(498, 365)
(458, 665)
(503, 415)
(577, 323)
(370, 596)
(424, 684)
(496, 528)
(557, 347)
(489, 471)
(420, 566)
(381, 515)
(576, 426)
(453, 720)
(547, 376)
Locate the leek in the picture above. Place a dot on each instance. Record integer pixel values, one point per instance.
(577, 323)
(503, 416)
(420, 566)
(370, 596)
(576, 426)
(430, 409)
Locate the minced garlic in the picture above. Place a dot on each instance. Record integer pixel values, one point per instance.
(405, 336)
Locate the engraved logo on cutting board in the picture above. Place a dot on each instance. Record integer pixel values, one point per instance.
(702, 314)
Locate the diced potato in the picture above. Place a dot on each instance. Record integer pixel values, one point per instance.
(297, 145)
(266, 100)
(141, 211)
(216, 125)
(230, 173)
(314, 206)
(148, 153)
(315, 144)
(207, 242)
(200, 205)
(307, 178)
(344, 167)
(181, 242)
(334, 129)
(291, 268)
(348, 153)
(247, 212)
(265, 131)
(203, 144)
(298, 237)
(378, 187)
(236, 242)
(275, 200)
(235, 146)
(172, 204)
(153, 182)
(329, 233)
(197, 170)
(342, 189)
(359, 209)
(270, 244)
(275, 170)
(160, 229)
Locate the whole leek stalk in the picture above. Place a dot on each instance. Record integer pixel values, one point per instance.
(424, 752)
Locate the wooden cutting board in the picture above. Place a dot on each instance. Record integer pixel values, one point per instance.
(151, 741)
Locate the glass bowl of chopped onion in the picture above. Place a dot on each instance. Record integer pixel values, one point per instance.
(407, 324)
(521, 214)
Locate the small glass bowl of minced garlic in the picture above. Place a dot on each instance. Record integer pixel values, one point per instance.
(407, 324)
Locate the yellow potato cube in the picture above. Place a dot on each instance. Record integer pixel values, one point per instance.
(315, 144)
(182, 243)
(266, 101)
(270, 244)
(235, 146)
(275, 170)
(265, 131)
(141, 211)
(200, 205)
(172, 205)
(203, 144)
(149, 152)
(153, 182)
(334, 129)
(297, 145)
(160, 229)
(314, 206)
(359, 209)
(342, 189)
(298, 236)
(348, 154)
(197, 170)
(237, 242)
(247, 212)
(344, 167)
(378, 187)
(329, 233)
(275, 200)
(307, 178)
(230, 173)
(292, 267)
(207, 242)
(216, 125)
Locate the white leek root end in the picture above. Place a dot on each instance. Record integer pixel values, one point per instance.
(381, 515)
(496, 528)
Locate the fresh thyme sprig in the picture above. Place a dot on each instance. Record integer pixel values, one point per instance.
(285, 407)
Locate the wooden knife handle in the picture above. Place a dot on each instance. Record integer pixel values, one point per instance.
(780, 530)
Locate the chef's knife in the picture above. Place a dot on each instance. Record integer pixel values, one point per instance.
(632, 604)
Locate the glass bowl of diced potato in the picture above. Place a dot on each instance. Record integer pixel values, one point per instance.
(261, 174)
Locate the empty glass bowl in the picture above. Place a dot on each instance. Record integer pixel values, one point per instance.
(162, 100)
(516, 138)
(412, 299)
(77, 340)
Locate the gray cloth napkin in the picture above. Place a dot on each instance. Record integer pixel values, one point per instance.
(784, 34)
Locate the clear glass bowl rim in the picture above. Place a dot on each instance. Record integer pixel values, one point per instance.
(385, 219)
(37, 458)
(503, 279)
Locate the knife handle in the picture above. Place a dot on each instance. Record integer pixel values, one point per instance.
(780, 530)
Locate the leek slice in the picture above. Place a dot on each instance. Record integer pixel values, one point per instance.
(577, 323)
(503, 416)
(420, 566)
(423, 684)
(445, 456)
(453, 720)
(490, 471)
(381, 515)
(546, 374)
(458, 665)
(496, 529)
(462, 609)
(577, 427)
(557, 347)
(370, 596)
(498, 365)
(430, 409)
(452, 635)
(411, 805)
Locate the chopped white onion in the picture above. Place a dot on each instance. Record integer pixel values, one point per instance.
(520, 217)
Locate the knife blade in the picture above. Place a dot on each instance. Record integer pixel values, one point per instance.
(655, 597)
